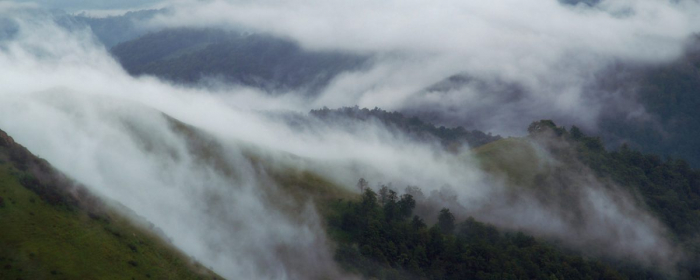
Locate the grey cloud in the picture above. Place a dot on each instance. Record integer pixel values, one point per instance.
(101, 6)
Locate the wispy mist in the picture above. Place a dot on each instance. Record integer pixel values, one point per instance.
(95, 7)
(66, 99)
(546, 50)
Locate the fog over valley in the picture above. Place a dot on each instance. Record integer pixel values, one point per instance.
(326, 139)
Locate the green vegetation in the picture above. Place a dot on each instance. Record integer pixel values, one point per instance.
(50, 229)
(512, 158)
(413, 126)
(378, 238)
(670, 188)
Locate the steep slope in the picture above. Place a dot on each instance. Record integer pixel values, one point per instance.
(54, 228)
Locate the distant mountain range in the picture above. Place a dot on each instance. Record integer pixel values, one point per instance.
(667, 92)
(196, 55)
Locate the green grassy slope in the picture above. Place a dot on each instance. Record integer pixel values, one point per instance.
(513, 158)
(47, 232)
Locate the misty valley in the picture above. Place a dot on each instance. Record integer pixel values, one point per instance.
(328, 139)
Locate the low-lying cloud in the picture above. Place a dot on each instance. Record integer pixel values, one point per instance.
(67, 100)
(549, 50)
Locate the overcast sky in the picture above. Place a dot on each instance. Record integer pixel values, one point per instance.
(97, 7)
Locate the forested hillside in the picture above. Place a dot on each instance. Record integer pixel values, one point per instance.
(412, 126)
(380, 235)
(669, 187)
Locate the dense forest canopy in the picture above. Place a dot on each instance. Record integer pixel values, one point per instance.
(381, 237)
(413, 126)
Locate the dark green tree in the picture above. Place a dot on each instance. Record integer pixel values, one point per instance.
(446, 221)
